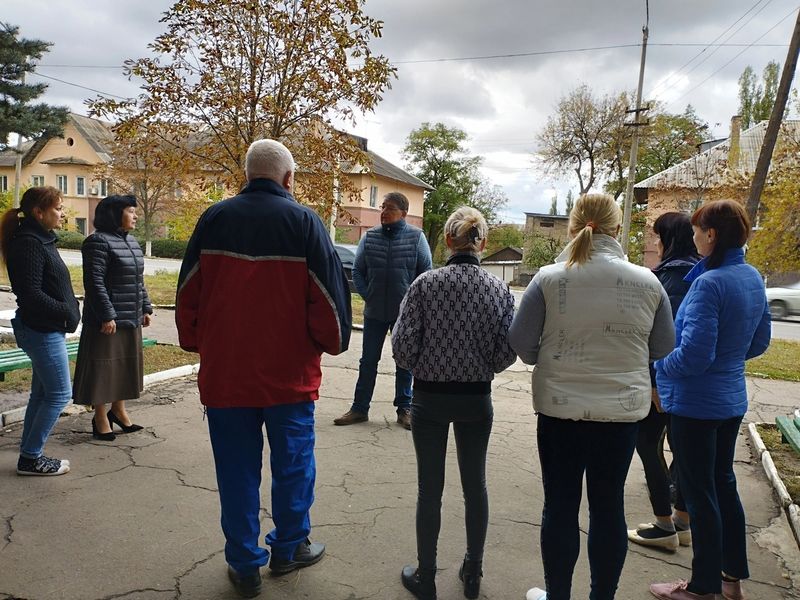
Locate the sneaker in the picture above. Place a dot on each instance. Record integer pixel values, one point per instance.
(536, 594)
(351, 417)
(652, 535)
(44, 465)
(677, 591)
(247, 586)
(684, 535)
(732, 590)
(404, 417)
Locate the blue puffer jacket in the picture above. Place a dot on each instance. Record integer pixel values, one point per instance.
(722, 321)
(388, 259)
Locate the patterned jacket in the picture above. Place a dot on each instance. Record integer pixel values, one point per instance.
(453, 324)
(261, 295)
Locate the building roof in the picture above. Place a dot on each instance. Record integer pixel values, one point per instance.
(8, 157)
(67, 160)
(503, 256)
(546, 216)
(382, 167)
(707, 168)
(98, 133)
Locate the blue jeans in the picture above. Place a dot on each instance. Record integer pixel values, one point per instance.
(704, 450)
(603, 451)
(374, 336)
(51, 389)
(237, 439)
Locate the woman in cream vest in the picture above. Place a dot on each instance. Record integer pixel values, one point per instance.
(591, 323)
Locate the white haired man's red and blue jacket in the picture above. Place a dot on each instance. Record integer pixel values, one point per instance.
(261, 295)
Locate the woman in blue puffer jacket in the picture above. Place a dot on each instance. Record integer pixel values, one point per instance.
(722, 322)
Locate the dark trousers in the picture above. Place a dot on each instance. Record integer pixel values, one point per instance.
(372, 346)
(704, 450)
(650, 448)
(430, 424)
(237, 439)
(603, 451)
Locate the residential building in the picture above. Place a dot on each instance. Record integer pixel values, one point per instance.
(504, 264)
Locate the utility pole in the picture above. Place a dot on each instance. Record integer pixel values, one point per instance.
(775, 118)
(637, 122)
(18, 162)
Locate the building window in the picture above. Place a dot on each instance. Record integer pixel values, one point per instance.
(3, 183)
(37, 180)
(61, 183)
(80, 186)
(80, 225)
(547, 224)
(373, 196)
(104, 187)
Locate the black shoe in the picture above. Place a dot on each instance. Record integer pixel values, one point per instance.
(106, 437)
(305, 555)
(247, 586)
(114, 419)
(470, 573)
(420, 582)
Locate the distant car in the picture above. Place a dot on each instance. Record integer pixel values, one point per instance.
(347, 254)
(784, 301)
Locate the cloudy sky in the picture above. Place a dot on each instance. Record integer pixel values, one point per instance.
(495, 68)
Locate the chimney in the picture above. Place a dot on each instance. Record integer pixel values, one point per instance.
(734, 150)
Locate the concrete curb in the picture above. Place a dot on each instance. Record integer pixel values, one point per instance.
(16, 415)
(791, 510)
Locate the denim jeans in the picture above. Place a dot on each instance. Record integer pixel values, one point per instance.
(603, 451)
(51, 389)
(374, 337)
(237, 439)
(659, 477)
(704, 450)
(472, 425)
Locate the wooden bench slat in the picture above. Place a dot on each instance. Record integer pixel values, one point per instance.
(791, 434)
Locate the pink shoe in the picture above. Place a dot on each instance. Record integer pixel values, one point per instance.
(677, 591)
(732, 590)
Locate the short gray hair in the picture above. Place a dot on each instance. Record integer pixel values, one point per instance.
(268, 159)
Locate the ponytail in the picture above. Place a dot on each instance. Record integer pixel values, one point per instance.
(579, 248)
(9, 223)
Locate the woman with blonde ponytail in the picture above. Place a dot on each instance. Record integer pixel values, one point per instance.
(591, 323)
(452, 333)
(47, 310)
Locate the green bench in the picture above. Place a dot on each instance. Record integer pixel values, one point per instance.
(790, 430)
(14, 359)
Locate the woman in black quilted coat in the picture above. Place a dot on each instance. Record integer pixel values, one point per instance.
(109, 367)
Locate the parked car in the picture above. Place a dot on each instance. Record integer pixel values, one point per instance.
(784, 301)
(347, 254)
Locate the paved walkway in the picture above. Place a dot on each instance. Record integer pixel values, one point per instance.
(139, 519)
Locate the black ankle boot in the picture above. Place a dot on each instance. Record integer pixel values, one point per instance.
(420, 582)
(470, 573)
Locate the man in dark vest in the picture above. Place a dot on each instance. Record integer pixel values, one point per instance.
(388, 259)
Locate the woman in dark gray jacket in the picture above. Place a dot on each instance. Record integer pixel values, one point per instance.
(452, 334)
(109, 367)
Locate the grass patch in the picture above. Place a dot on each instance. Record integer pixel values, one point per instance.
(786, 460)
(780, 361)
(358, 308)
(156, 358)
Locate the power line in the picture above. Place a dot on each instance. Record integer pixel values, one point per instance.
(37, 74)
(674, 75)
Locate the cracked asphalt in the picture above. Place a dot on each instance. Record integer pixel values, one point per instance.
(138, 519)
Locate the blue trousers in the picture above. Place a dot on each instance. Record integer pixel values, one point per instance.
(704, 450)
(237, 439)
(603, 451)
(51, 389)
(374, 336)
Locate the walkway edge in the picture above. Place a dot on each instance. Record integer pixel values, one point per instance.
(791, 510)
(17, 415)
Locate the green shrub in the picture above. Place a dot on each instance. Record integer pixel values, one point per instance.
(169, 248)
(70, 240)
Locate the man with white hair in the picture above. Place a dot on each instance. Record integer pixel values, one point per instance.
(261, 295)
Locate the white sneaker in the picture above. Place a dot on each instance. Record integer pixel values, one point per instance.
(536, 594)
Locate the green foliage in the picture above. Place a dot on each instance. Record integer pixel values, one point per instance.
(669, 140)
(757, 99)
(637, 234)
(69, 240)
(6, 200)
(541, 250)
(437, 155)
(503, 236)
(169, 248)
(554, 206)
(17, 115)
(570, 202)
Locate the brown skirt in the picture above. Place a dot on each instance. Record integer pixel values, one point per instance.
(108, 367)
